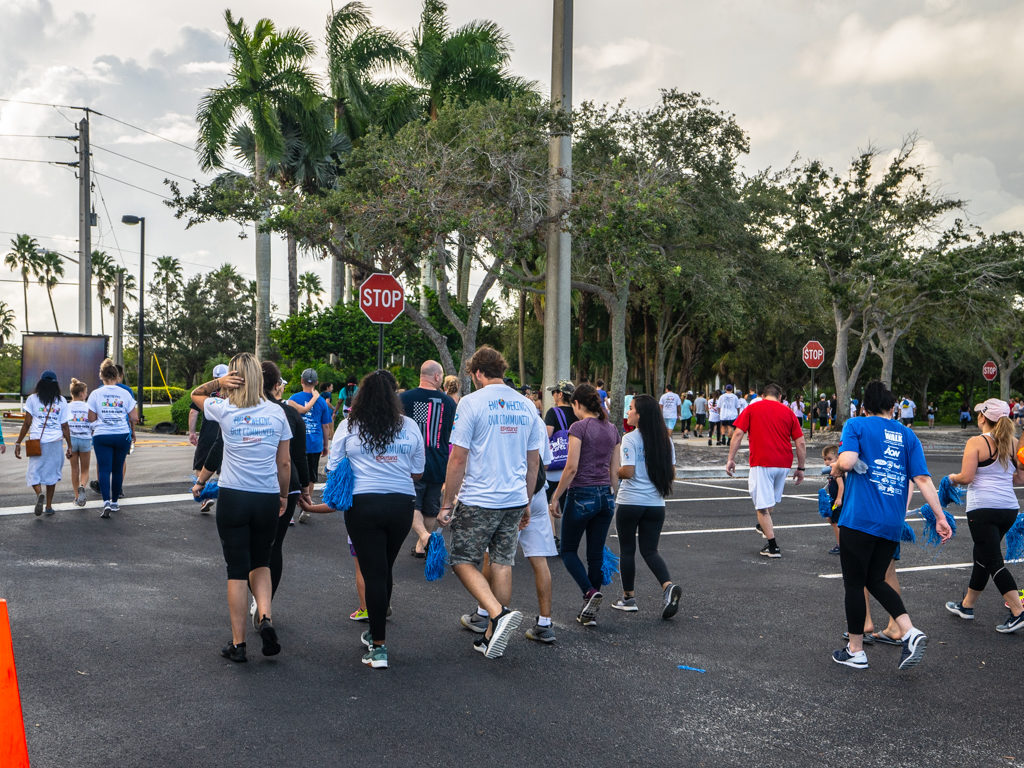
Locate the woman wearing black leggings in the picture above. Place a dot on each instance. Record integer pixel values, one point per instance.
(254, 482)
(386, 452)
(646, 469)
(989, 471)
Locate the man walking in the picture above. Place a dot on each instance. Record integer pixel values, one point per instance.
(772, 427)
(434, 413)
(316, 415)
(493, 468)
(700, 414)
(728, 410)
(671, 407)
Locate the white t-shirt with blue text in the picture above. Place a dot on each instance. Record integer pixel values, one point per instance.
(58, 411)
(638, 489)
(389, 472)
(497, 425)
(78, 419)
(111, 404)
(251, 437)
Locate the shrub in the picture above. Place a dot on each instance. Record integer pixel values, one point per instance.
(179, 414)
(159, 394)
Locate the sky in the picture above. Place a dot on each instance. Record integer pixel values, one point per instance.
(818, 79)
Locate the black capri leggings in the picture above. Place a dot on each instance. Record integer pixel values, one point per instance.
(865, 559)
(633, 522)
(378, 524)
(988, 526)
(276, 557)
(246, 522)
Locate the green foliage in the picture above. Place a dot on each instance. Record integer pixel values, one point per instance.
(159, 394)
(10, 368)
(179, 413)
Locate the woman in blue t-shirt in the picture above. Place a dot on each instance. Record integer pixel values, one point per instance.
(875, 504)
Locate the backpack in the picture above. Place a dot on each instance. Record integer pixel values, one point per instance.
(559, 442)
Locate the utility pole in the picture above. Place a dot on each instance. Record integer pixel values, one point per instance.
(557, 309)
(84, 229)
(119, 320)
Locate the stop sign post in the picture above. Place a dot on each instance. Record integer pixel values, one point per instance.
(813, 355)
(382, 300)
(990, 370)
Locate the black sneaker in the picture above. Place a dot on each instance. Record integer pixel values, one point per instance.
(1012, 624)
(95, 485)
(234, 652)
(673, 593)
(960, 610)
(858, 660)
(760, 530)
(40, 502)
(913, 649)
(769, 551)
(591, 604)
(271, 647)
(502, 628)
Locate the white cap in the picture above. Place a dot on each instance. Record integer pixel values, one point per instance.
(220, 370)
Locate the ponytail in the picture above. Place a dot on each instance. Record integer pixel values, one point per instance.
(1004, 435)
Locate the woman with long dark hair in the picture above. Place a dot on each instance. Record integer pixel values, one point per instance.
(46, 421)
(647, 468)
(588, 480)
(386, 452)
(988, 470)
(255, 477)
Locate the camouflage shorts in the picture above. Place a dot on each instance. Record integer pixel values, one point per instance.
(476, 530)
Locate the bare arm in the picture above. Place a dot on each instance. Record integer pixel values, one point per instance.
(841, 483)
(613, 470)
(969, 462)
(230, 380)
(284, 473)
(801, 457)
(734, 445)
(453, 482)
(931, 498)
(304, 409)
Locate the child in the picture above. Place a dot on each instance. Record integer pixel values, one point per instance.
(81, 438)
(830, 454)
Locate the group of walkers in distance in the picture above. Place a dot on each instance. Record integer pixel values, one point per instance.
(500, 476)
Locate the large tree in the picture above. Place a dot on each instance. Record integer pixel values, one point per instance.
(268, 77)
(25, 258)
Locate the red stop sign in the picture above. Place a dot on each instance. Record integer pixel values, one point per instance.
(813, 354)
(989, 370)
(381, 298)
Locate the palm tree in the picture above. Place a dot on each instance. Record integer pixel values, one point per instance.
(24, 256)
(7, 323)
(106, 278)
(167, 279)
(268, 76)
(51, 270)
(310, 285)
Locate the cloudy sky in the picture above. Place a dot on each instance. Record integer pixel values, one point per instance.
(818, 78)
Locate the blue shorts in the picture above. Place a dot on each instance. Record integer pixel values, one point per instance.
(81, 444)
(671, 424)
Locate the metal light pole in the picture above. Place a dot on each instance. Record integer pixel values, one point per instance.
(129, 219)
(557, 309)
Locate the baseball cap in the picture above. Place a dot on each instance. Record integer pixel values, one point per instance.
(564, 386)
(48, 376)
(728, 387)
(993, 409)
(220, 370)
(309, 376)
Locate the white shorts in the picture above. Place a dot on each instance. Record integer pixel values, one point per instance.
(766, 485)
(537, 539)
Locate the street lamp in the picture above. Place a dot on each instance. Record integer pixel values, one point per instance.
(129, 219)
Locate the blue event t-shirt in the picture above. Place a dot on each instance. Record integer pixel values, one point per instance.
(314, 419)
(876, 502)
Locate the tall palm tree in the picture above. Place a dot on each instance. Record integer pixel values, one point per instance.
(51, 270)
(310, 285)
(106, 278)
(24, 256)
(167, 279)
(268, 76)
(7, 323)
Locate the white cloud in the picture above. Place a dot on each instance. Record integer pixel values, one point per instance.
(205, 67)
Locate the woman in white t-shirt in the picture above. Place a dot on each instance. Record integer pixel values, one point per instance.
(46, 420)
(646, 471)
(81, 439)
(385, 450)
(255, 476)
(112, 412)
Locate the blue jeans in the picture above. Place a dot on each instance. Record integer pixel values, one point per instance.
(588, 510)
(111, 451)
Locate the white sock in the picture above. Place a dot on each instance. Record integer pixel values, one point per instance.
(543, 621)
(481, 612)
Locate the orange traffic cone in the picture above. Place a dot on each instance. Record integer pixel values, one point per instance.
(13, 748)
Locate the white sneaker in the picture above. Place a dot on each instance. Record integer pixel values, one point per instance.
(252, 614)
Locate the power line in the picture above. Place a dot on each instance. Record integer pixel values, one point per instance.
(128, 184)
(44, 104)
(140, 162)
(45, 162)
(110, 222)
(34, 136)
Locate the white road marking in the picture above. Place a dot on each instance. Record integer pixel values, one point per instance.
(95, 505)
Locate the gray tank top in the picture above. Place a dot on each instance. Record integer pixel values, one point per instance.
(992, 487)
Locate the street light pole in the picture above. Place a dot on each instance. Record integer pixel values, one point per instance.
(129, 219)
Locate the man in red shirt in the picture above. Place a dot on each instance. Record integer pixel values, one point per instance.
(772, 427)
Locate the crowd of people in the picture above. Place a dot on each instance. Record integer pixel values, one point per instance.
(501, 475)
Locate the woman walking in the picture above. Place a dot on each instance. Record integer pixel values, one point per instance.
(588, 480)
(112, 411)
(452, 387)
(46, 422)
(386, 452)
(81, 439)
(255, 477)
(646, 469)
(988, 470)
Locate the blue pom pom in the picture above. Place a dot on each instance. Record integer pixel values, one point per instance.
(907, 534)
(824, 503)
(609, 566)
(437, 557)
(340, 482)
(949, 493)
(209, 490)
(931, 536)
(1015, 539)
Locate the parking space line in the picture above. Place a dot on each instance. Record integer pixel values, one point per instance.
(738, 498)
(96, 504)
(907, 570)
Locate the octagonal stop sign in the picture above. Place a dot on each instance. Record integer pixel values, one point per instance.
(381, 298)
(813, 354)
(989, 370)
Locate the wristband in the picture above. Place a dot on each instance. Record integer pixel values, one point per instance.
(801, 469)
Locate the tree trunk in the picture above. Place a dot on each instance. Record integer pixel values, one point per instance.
(24, 287)
(465, 267)
(618, 310)
(521, 338)
(293, 276)
(1007, 364)
(843, 376)
(580, 335)
(49, 293)
(101, 297)
(262, 271)
(647, 352)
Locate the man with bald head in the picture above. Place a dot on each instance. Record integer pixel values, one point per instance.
(434, 413)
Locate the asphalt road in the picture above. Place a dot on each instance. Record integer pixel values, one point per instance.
(117, 627)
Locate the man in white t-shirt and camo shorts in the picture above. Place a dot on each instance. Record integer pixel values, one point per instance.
(496, 442)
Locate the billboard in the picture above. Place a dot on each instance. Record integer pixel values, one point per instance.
(67, 354)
